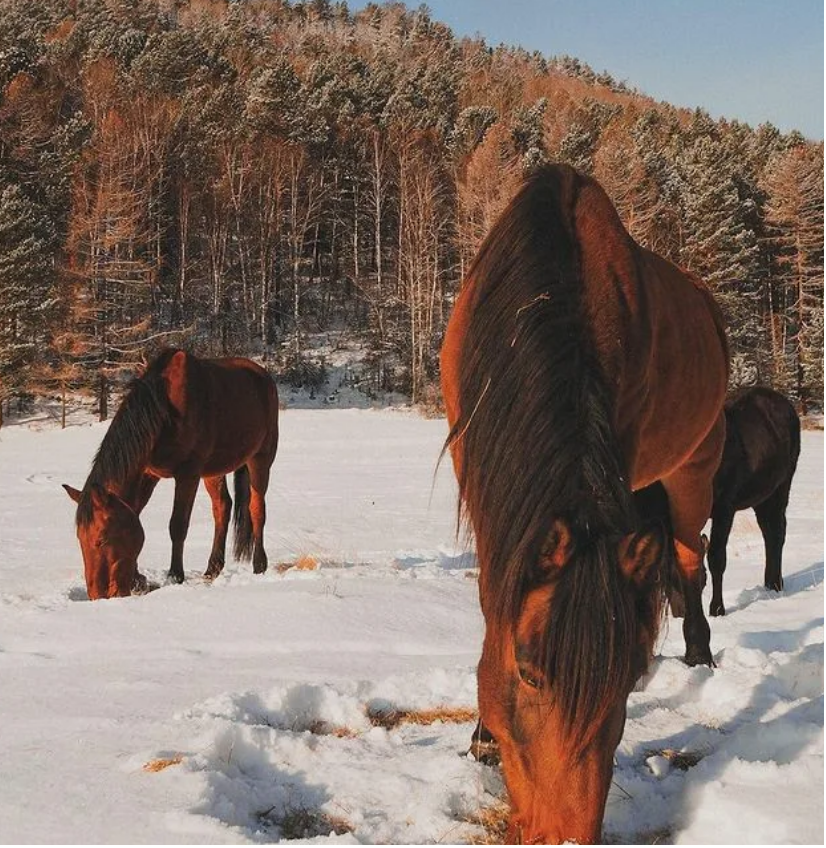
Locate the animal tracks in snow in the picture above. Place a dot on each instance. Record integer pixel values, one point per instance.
(313, 761)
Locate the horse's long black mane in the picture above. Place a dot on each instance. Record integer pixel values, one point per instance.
(537, 442)
(128, 442)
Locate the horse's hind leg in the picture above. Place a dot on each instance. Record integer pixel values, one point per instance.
(259, 468)
(185, 490)
(771, 516)
(721, 520)
(221, 511)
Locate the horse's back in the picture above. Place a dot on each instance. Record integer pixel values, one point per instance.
(762, 447)
(226, 410)
(244, 380)
(668, 348)
(244, 400)
(659, 332)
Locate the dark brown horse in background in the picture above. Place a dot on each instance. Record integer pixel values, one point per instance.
(188, 419)
(577, 367)
(759, 461)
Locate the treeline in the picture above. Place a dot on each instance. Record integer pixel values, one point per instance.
(238, 177)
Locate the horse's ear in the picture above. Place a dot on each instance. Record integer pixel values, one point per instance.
(640, 552)
(558, 546)
(72, 492)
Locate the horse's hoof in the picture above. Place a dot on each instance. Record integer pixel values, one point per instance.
(774, 585)
(213, 571)
(698, 656)
(716, 610)
(259, 569)
(140, 586)
(174, 578)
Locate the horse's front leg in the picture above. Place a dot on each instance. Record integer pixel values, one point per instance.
(145, 487)
(185, 489)
(690, 495)
(221, 511)
(722, 519)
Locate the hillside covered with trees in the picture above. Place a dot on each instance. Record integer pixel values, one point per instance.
(238, 177)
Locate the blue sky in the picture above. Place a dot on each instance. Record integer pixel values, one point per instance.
(753, 60)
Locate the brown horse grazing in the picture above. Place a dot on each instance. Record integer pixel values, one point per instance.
(577, 367)
(185, 418)
(759, 461)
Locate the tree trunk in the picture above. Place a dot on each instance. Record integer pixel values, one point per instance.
(103, 398)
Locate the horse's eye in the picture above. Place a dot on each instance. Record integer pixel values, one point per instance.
(100, 542)
(530, 677)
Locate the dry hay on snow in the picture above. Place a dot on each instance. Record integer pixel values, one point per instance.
(163, 763)
(390, 718)
(303, 563)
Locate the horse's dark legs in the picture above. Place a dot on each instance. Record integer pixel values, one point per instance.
(483, 747)
(185, 489)
(221, 511)
(721, 520)
(690, 494)
(675, 593)
(259, 468)
(771, 516)
(696, 632)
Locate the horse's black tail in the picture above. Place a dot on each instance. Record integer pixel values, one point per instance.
(241, 515)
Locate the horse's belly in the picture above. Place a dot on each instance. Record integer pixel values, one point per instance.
(165, 472)
(216, 463)
(220, 464)
(209, 451)
(658, 448)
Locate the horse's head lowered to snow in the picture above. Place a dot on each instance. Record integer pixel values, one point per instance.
(111, 538)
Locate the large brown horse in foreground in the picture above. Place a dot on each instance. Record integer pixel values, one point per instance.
(188, 419)
(577, 367)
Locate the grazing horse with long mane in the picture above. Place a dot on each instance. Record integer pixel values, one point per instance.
(185, 418)
(577, 367)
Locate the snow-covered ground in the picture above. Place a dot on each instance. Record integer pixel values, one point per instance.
(250, 696)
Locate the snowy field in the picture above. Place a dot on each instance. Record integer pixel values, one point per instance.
(250, 696)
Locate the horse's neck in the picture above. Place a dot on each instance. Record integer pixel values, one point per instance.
(132, 490)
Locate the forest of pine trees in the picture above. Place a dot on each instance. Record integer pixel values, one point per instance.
(238, 177)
